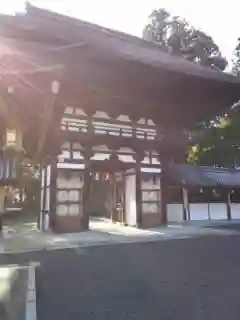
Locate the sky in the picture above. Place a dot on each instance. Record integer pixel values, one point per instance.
(218, 18)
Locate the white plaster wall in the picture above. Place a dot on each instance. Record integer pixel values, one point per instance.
(130, 200)
(175, 212)
(198, 211)
(218, 211)
(235, 210)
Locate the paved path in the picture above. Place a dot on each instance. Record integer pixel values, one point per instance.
(26, 237)
(168, 280)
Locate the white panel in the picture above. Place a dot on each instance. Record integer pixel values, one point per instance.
(74, 210)
(73, 195)
(155, 161)
(77, 155)
(126, 150)
(156, 170)
(126, 158)
(198, 211)
(150, 207)
(77, 146)
(79, 166)
(62, 196)
(74, 182)
(123, 118)
(80, 112)
(151, 182)
(68, 110)
(131, 171)
(142, 121)
(65, 154)
(150, 122)
(175, 212)
(48, 171)
(62, 210)
(150, 195)
(42, 177)
(41, 199)
(130, 200)
(47, 200)
(61, 181)
(100, 148)
(101, 114)
(218, 211)
(146, 160)
(100, 156)
(235, 210)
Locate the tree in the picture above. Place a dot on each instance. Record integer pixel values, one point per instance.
(176, 36)
(218, 143)
(236, 59)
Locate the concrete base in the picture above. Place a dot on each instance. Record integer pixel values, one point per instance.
(13, 292)
(151, 220)
(68, 224)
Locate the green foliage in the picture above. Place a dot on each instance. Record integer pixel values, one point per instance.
(218, 143)
(176, 36)
(236, 59)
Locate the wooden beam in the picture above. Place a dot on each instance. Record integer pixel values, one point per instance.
(228, 203)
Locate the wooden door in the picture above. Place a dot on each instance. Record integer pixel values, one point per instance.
(118, 194)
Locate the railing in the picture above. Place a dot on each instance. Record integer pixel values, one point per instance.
(107, 128)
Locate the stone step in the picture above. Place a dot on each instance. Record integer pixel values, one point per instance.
(13, 292)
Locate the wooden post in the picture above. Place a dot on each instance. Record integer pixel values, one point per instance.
(53, 193)
(113, 211)
(138, 195)
(2, 207)
(164, 200)
(86, 192)
(186, 208)
(87, 174)
(42, 216)
(229, 214)
(164, 191)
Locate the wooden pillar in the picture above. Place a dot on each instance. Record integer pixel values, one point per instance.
(139, 156)
(2, 206)
(186, 208)
(53, 193)
(229, 214)
(44, 197)
(139, 212)
(113, 209)
(164, 191)
(86, 190)
(87, 172)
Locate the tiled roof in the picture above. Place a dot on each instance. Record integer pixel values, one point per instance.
(201, 176)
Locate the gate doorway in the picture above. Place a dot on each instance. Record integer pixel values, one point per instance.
(107, 196)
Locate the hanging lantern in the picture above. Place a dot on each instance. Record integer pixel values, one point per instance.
(10, 157)
(13, 139)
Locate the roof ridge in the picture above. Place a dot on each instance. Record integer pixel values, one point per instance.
(46, 14)
(33, 10)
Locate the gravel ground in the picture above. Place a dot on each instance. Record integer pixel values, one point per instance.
(180, 279)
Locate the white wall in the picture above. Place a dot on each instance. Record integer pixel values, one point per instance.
(130, 201)
(205, 211)
(218, 211)
(202, 211)
(235, 210)
(175, 212)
